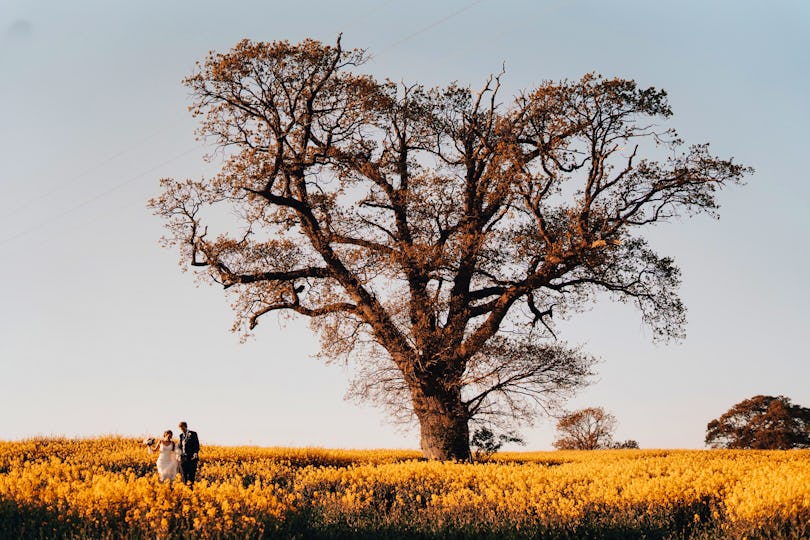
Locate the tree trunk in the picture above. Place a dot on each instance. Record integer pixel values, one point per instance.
(445, 434)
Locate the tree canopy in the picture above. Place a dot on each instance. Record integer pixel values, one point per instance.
(591, 428)
(431, 233)
(763, 423)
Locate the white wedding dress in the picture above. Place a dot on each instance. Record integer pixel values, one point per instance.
(167, 463)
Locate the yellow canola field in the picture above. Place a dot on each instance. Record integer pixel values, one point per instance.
(107, 488)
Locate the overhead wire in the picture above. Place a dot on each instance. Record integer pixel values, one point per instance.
(70, 182)
(357, 20)
(115, 156)
(426, 28)
(98, 196)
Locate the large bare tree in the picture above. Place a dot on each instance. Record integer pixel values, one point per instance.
(430, 232)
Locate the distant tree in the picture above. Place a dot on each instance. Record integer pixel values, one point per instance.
(429, 233)
(586, 429)
(761, 422)
(485, 442)
(625, 445)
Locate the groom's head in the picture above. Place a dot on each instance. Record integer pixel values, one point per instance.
(183, 426)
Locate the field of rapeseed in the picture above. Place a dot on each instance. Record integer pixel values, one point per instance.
(107, 488)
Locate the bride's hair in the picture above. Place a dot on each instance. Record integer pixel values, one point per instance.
(170, 434)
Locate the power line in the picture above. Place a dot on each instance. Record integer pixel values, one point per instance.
(426, 28)
(357, 20)
(549, 8)
(69, 183)
(96, 197)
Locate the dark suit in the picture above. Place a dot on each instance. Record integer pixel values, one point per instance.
(189, 450)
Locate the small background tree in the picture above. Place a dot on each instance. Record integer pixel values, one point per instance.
(586, 429)
(485, 442)
(629, 444)
(763, 423)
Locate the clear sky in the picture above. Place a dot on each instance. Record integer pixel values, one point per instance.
(101, 332)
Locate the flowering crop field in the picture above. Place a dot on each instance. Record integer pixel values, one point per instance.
(107, 488)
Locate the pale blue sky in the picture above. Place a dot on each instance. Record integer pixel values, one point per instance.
(101, 332)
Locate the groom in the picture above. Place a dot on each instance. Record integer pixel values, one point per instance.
(189, 453)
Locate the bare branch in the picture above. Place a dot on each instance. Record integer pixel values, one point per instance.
(420, 228)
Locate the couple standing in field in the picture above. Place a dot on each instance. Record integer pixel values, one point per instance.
(173, 457)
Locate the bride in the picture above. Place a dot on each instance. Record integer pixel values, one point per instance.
(167, 461)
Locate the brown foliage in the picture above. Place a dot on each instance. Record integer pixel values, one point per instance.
(587, 429)
(427, 232)
(762, 423)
